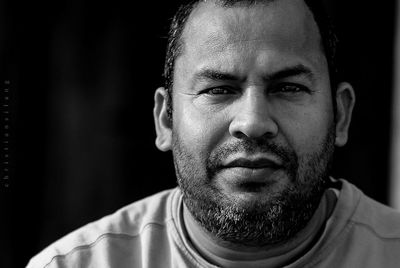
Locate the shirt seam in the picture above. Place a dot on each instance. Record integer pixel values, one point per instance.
(106, 235)
(373, 231)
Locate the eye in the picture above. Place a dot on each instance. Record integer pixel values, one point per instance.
(289, 88)
(218, 91)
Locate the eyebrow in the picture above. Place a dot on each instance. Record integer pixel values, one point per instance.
(296, 70)
(214, 75)
(287, 72)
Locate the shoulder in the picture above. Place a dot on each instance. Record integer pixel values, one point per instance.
(122, 228)
(378, 219)
(362, 232)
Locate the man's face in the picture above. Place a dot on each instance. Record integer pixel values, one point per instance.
(253, 125)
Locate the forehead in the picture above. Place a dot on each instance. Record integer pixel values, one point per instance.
(290, 18)
(284, 26)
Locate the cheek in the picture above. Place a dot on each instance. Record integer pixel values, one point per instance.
(199, 130)
(306, 129)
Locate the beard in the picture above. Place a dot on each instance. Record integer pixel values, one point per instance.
(268, 221)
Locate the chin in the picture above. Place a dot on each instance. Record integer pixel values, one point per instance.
(252, 193)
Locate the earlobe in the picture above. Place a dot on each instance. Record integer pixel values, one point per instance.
(345, 100)
(163, 124)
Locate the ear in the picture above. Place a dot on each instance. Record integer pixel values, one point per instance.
(162, 123)
(345, 100)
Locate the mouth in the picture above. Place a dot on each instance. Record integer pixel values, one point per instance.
(257, 163)
(251, 173)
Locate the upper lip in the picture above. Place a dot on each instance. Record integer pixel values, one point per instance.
(253, 163)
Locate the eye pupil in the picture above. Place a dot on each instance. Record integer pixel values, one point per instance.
(219, 91)
(290, 88)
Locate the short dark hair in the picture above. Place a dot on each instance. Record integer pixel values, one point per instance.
(175, 42)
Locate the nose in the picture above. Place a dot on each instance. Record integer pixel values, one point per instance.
(252, 117)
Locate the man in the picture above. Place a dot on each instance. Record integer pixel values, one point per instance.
(252, 111)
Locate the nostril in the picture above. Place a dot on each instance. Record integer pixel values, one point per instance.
(239, 135)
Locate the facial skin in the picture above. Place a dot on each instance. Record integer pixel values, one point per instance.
(253, 129)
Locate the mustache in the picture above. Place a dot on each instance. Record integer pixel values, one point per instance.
(285, 154)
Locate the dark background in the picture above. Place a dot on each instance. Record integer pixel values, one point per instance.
(83, 74)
